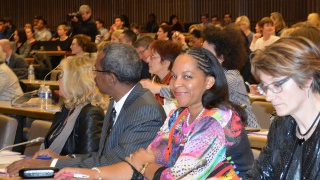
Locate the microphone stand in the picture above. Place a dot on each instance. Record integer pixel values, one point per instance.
(39, 139)
(45, 77)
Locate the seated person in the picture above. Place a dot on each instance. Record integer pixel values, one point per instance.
(161, 60)
(293, 145)
(9, 83)
(18, 65)
(21, 45)
(79, 43)
(202, 132)
(77, 128)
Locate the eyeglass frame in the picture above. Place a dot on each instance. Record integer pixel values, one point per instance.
(142, 51)
(279, 83)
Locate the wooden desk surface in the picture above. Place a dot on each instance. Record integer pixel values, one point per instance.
(258, 142)
(53, 84)
(55, 53)
(33, 112)
(254, 97)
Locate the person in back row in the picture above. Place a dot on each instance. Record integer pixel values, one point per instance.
(133, 117)
(84, 25)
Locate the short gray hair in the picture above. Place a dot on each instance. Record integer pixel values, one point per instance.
(144, 42)
(85, 9)
(123, 61)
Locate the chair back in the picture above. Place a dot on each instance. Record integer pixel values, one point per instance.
(39, 128)
(8, 129)
(263, 110)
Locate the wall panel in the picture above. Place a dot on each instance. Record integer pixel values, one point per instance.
(22, 11)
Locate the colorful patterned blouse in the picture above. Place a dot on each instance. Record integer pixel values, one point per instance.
(208, 138)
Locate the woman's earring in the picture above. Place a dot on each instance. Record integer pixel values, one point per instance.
(308, 89)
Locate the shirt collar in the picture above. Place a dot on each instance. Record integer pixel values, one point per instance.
(118, 105)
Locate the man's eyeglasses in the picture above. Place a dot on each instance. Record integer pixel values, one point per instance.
(275, 87)
(94, 69)
(142, 51)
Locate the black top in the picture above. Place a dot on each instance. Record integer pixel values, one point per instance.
(87, 27)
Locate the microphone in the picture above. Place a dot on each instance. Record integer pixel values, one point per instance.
(37, 140)
(10, 36)
(201, 163)
(45, 77)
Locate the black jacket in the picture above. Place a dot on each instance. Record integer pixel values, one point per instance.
(275, 159)
(86, 134)
(87, 27)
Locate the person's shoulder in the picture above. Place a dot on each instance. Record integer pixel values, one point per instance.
(91, 108)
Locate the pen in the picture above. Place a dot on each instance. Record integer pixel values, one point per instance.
(248, 84)
(82, 176)
(39, 157)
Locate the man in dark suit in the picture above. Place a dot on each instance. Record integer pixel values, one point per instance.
(18, 65)
(135, 123)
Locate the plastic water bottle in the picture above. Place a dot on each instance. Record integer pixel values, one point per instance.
(41, 96)
(31, 75)
(47, 98)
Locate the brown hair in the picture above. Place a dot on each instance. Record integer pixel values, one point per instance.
(296, 57)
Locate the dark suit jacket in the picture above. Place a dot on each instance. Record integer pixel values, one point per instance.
(19, 66)
(137, 125)
(85, 136)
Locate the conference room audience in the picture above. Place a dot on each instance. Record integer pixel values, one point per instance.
(30, 38)
(9, 83)
(267, 27)
(85, 25)
(228, 45)
(227, 20)
(128, 37)
(152, 25)
(17, 63)
(115, 35)
(205, 22)
(41, 32)
(120, 23)
(136, 29)
(204, 129)
(195, 38)
(163, 54)
(243, 23)
(79, 43)
(279, 23)
(292, 150)
(21, 45)
(133, 117)
(164, 32)
(175, 24)
(142, 47)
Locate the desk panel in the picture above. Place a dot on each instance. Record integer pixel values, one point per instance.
(33, 112)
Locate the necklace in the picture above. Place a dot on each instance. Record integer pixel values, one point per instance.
(199, 115)
(303, 135)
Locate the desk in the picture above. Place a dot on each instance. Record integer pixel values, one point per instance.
(254, 97)
(33, 112)
(54, 53)
(52, 84)
(258, 142)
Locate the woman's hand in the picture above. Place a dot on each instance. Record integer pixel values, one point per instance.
(153, 87)
(65, 173)
(255, 37)
(140, 157)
